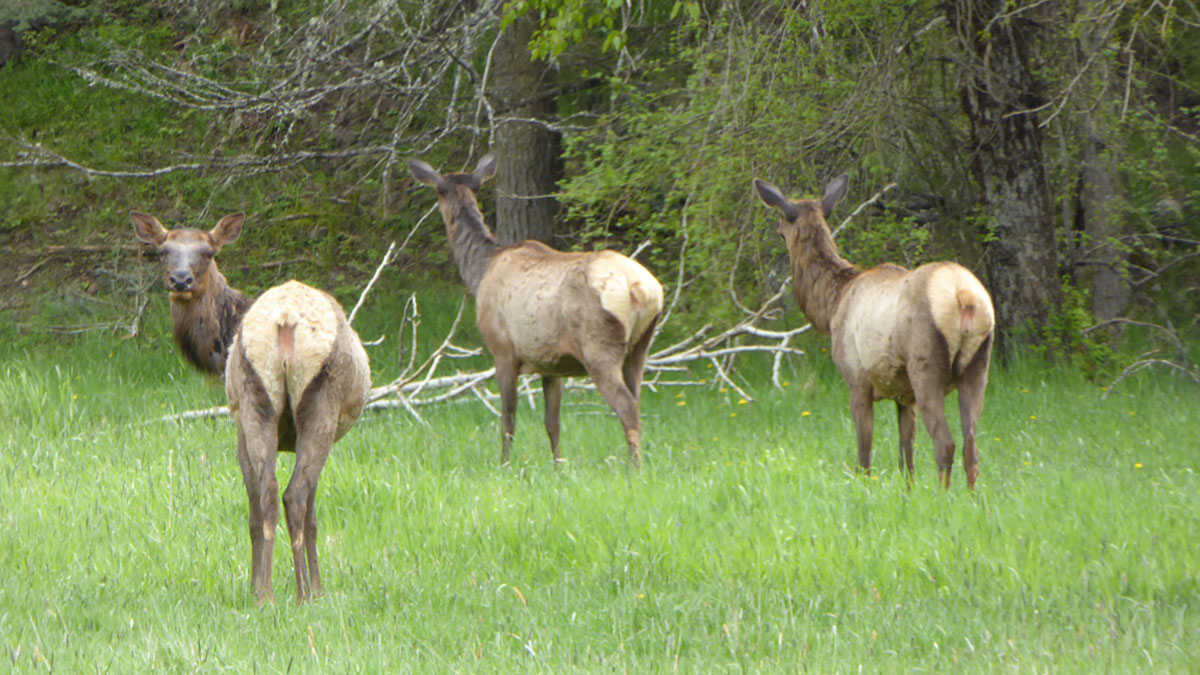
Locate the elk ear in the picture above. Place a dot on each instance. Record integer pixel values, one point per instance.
(771, 196)
(228, 229)
(486, 168)
(834, 193)
(425, 174)
(148, 228)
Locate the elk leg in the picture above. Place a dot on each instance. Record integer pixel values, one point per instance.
(907, 416)
(552, 389)
(506, 381)
(255, 520)
(862, 408)
(257, 448)
(932, 404)
(313, 442)
(971, 386)
(310, 542)
(635, 363)
(624, 404)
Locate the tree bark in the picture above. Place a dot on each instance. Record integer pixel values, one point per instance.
(528, 152)
(998, 93)
(1100, 188)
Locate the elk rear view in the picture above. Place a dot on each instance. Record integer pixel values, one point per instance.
(910, 336)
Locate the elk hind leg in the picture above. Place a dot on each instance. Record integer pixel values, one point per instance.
(609, 381)
(635, 362)
(257, 449)
(932, 404)
(971, 386)
(312, 449)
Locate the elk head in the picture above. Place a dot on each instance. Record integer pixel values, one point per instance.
(800, 219)
(187, 253)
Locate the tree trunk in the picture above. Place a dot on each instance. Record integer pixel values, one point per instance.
(1100, 187)
(528, 152)
(998, 90)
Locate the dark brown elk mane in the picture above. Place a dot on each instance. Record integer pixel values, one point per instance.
(819, 273)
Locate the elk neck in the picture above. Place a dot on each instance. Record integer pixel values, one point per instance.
(206, 319)
(471, 242)
(819, 274)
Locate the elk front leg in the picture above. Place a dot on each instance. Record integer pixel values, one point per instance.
(506, 381)
(862, 408)
(552, 389)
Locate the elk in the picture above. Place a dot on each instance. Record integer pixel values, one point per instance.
(548, 312)
(296, 375)
(907, 335)
(205, 310)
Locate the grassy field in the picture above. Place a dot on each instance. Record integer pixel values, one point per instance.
(746, 543)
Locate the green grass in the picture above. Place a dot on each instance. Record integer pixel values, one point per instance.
(747, 542)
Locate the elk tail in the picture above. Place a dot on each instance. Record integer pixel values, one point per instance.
(287, 341)
(966, 310)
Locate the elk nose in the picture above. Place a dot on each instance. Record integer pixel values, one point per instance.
(180, 281)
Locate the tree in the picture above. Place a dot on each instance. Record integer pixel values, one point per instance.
(999, 94)
(528, 149)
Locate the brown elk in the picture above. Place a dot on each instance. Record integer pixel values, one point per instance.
(296, 375)
(548, 312)
(911, 336)
(205, 310)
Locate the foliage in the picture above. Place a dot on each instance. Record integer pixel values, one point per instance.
(1065, 335)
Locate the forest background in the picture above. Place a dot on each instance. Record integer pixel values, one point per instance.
(1051, 147)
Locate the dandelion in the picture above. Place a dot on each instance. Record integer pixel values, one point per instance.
(641, 596)
(805, 413)
(742, 401)
(874, 477)
(995, 438)
(74, 396)
(679, 395)
(1132, 413)
(733, 414)
(681, 403)
(1028, 463)
(1137, 465)
(1033, 417)
(786, 383)
(723, 390)
(110, 355)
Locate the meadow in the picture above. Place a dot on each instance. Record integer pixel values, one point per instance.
(747, 542)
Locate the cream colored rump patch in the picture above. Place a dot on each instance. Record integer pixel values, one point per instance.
(627, 291)
(944, 290)
(286, 366)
